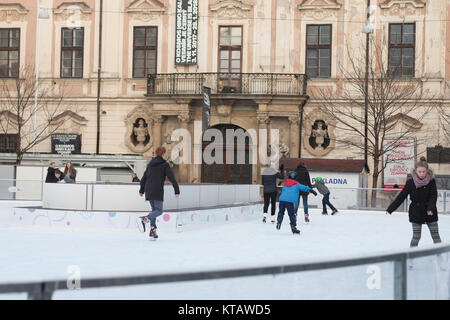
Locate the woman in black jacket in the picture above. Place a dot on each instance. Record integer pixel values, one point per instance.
(269, 182)
(152, 185)
(423, 194)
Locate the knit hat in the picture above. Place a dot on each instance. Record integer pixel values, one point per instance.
(318, 179)
(292, 175)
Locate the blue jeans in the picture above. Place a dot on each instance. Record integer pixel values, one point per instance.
(157, 210)
(291, 211)
(326, 201)
(305, 203)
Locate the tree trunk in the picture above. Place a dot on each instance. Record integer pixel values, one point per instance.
(375, 175)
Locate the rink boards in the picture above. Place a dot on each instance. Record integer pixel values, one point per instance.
(171, 221)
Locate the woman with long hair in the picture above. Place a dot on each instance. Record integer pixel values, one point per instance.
(70, 171)
(423, 194)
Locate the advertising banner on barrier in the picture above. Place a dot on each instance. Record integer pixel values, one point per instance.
(400, 157)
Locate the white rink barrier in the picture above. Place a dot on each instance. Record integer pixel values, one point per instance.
(125, 197)
(171, 221)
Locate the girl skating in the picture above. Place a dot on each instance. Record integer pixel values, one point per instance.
(423, 194)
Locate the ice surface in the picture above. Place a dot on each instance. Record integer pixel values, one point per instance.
(37, 253)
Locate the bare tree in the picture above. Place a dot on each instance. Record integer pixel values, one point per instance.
(390, 98)
(18, 110)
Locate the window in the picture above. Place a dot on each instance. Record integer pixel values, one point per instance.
(402, 41)
(318, 51)
(72, 46)
(144, 51)
(8, 142)
(9, 53)
(230, 49)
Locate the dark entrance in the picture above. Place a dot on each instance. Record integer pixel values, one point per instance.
(229, 173)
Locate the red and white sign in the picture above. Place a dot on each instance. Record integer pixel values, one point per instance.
(400, 157)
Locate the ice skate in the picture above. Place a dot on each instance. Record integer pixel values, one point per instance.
(278, 225)
(325, 212)
(265, 217)
(140, 222)
(153, 235)
(334, 211)
(295, 230)
(272, 219)
(307, 218)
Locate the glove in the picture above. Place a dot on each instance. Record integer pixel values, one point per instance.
(313, 192)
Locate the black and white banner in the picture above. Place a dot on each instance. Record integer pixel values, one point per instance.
(66, 143)
(206, 108)
(186, 32)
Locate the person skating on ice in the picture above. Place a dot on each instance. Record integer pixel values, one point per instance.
(302, 176)
(422, 191)
(289, 199)
(269, 182)
(152, 184)
(319, 184)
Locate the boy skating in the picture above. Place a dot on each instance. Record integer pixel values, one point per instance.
(289, 199)
(319, 184)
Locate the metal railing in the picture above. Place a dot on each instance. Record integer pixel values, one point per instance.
(46, 289)
(227, 83)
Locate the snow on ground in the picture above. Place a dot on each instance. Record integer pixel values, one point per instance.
(32, 254)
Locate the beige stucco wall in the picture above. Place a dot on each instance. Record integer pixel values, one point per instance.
(274, 37)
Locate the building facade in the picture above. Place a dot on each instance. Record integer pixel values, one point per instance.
(157, 55)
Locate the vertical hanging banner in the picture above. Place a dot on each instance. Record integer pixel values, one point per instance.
(206, 108)
(400, 161)
(186, 32)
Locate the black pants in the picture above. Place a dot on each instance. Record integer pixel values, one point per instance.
(270, 197)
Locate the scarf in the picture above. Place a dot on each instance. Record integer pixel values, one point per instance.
(421, 182)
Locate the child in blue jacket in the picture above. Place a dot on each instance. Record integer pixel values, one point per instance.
(289, 200)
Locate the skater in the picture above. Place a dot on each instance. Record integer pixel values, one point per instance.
(269, 182)
(319, 184)
(289, 199)
(152, 183)
(302, 176)
(423, 194)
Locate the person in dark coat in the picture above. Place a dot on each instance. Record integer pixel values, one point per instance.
(270, 190)
(51, 178)
(302, 176)
(422, 191)
(134, 177)
(152, 184)
(70, 171)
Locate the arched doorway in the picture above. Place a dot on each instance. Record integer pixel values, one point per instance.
(232, 173)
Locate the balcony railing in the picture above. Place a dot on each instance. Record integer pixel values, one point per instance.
(281, 84)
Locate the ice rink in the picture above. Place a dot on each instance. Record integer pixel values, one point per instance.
(38, 253)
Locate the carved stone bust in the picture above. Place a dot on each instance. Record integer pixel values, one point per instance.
(138, 136)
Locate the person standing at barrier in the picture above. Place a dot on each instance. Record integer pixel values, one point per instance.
(288, 200)
(62, 178)
(269, 182)
(134, 177)
(152, 184)
(423, 194)
(70, 171)
(51, 178)
(319, 184)
(302, 176)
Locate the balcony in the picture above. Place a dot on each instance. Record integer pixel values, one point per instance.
(254, 84)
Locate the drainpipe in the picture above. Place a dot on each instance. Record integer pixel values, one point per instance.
(301, 128)
(99, 76)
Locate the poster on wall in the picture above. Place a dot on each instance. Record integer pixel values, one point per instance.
(66, 143)
(186, 32)
(400, 161)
